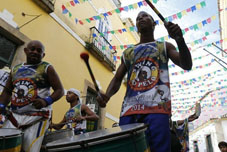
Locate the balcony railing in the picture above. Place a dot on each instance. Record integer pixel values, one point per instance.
(46, 5)
(101, 49)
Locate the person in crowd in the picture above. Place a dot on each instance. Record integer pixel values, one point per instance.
(180, 129)
(28, 92)
(222, 146)
(147, 98)
(77, 115)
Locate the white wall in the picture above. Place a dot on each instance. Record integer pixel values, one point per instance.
(215, 129)
(224, 127)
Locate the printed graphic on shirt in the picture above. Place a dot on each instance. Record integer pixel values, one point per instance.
(148, 89)
(24, 92)
(72, 113)
(144, 74)
(29, 82)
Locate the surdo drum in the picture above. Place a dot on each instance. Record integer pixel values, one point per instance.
(10, 140)
(126, 138)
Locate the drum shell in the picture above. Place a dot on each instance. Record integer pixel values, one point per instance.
(11, 141)
(129, 141)
(56, 135)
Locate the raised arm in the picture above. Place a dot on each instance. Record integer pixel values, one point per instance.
(183, 57)
(114, 85)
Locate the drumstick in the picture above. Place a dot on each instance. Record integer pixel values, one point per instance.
(156, 11)
(85, 57)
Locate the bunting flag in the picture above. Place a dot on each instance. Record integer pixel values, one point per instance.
(122, 47)
(77, 2)
(194, 59)
(198, 41)
(178, 15)
(193, 68)
(197, 89)
(64, 10)
(189, 104)
(187, 101)
(192, 80)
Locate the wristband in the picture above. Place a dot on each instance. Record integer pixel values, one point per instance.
(48, 100)
(2, 106)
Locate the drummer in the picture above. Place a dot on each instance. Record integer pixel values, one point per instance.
(28, 89)
(77, 115)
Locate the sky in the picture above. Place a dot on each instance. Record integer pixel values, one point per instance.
(206, 77)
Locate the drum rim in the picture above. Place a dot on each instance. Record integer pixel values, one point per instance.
(97, 140)
(19, 134)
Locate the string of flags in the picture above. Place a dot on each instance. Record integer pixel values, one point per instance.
(179, 84)
(130, 7)
(170, 18)
(196, 42)
(186, 99)
(207, 86)
(77, 2)
(189, 102)
(192, 50)
(193, 27)
(222, 102)
(194, 59)
(194, 68)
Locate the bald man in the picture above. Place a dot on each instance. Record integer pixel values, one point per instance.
(28, 90)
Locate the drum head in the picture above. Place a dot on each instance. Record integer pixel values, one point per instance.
(56, 135)
(99, 136)
(8, 132)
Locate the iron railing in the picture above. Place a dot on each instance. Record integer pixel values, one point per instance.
(101, 48)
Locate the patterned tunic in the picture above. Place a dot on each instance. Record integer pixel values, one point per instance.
(72, 114)
(148, 88)
(29, 82)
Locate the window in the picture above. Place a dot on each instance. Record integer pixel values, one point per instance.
(117, 3)
(93, 105)
(7, 51)
(195, 146)
(209, 143)
(103, 27)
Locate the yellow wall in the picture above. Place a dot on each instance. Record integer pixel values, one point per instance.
(63, 50)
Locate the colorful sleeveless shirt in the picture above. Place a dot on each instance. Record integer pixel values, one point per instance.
(182, 133)
(74, 112)
(29, 82)
(148, 87)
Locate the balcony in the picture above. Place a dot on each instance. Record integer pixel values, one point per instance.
(46, 5)
(101, 49)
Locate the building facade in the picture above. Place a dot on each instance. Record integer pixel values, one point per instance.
(222, 4)
(64, 40)
(206, 137)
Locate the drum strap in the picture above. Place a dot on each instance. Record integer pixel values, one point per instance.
(23, 127)
(12, 119)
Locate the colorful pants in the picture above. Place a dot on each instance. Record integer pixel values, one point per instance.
(157, 133)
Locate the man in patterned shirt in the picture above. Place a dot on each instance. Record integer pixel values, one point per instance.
(28, 90)
(77, 115)
(147, 98)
